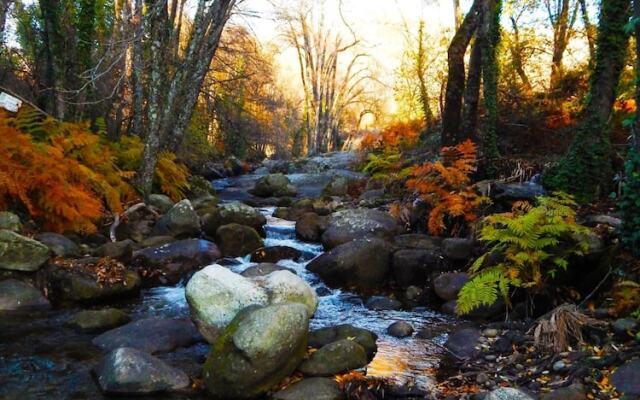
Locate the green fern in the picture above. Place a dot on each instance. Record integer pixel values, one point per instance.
(534, 244)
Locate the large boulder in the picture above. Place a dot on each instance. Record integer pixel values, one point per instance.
(73, 285)
(274, 185)
(21, 253)
(169, 263)
(457, 249)
(59, 245)
(237, 240)
(98, 320)
(310, 226)
(626, 379)
(413, 266)
(233, 213)
(418, 241)
(362, 263)
(181, 221)
(160, 201)
(335, 358)
(10, 221)
(127, 371)
(152, 335)
(311, 388)
(347, 225)
(20, 296)
(259, 348)
(323, 336)
(448, 285)
(273, 254)
(216, 294)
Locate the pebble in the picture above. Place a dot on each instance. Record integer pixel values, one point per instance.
(519, 367)
(559, 366)
(490, 357)
(490, 332)
(482, 378)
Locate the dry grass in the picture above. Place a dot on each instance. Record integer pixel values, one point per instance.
(561, 327)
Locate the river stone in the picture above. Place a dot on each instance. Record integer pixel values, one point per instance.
(418, 241)
(626, 379)
(448, 285)
(400, 329)
(311, 388)
(216, 294)
(507, 394)
(230, 213)
(259, 348)
(70, 285)
(122, 250)
(10, 221)
(181, 221)
(457, 249)
(363, 264)
(274, 185)
(199, 187)
(339, 186)
(365, 338)
(382, 303)
(462, 343)
(335, 358)
(99, 320)
(310, 226)
(127, 371)
(237, 240)
(347, 225)
(175, 260)
(273, 254)
(160, 201)
(20, 296)
(205, 205)
(21, 253)
(413, 266)
(152, 335)
(60, 245)
(264, 269)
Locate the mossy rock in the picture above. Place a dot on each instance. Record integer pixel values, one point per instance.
(99, 320)
(10, 221)
(237, 240)
(20, 253)
(67, 285)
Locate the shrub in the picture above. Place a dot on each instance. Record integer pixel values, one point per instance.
(445, 185)
(533, 243)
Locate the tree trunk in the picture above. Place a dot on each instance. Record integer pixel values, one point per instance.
(420, 71)
(586, 169)
(472, 92)
(4, 9)
(137, 70)
(589, 29)
(560, 41)
(451, 133)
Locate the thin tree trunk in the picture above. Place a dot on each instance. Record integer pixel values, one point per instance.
(137, 70)
(516, 56)
(4, 9)
(472, 91)
(420, 71)
(451, 134)
(560, 41)
(589, 29)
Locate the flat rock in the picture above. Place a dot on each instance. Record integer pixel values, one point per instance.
(347, 225)
(99, 320)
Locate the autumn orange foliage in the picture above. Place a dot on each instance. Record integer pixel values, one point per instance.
(400, 135)
(446, 186)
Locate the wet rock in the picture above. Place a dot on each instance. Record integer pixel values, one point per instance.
(233, 213)
(152, 335)
(10, 221)
(205, 205)
(559, 366)
(21, 253)
(381, 303)
(237, 240)
(274, 185)
(457, 249)
(160, 201)
(363, 337)
(75, 286)
(507, 394)
(517, 191)
(274, 254)
(400, 329)
(335, 358)
(181, 221)
(60, 245)
(121, 251)
(127, 371)
(573, 392)
(502, 346)
(310, 227)
(19, 296)
(339, 186)
(264, 269)
(171, 262)
(448, 285)
(347, 225)
(363, 263)
(413, 266)
(156, 241)
(626, 379)
(311, 388)
(199, 187)
(625, 328)
(259, 348)
(99, 320)
(138, 225)
(418, 241)
(462, 343)
(216, 294)
(414, 296)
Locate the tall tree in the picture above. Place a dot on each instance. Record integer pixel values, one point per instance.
(4, 10)
(562, 16)
(586, 169)
(492, 10)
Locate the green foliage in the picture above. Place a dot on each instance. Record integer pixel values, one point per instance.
(386, 166)
(533, 243)
(630, 204)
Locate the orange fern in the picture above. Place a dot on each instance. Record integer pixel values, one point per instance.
(446, 186)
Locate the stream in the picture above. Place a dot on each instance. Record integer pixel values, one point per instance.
(41, 357)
